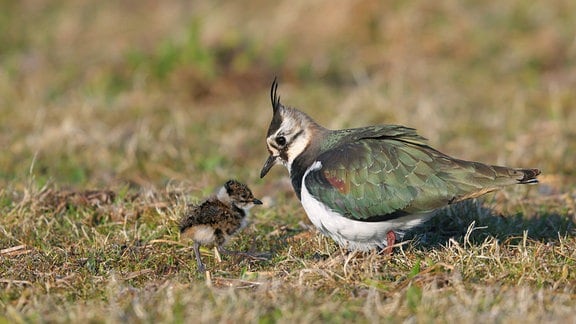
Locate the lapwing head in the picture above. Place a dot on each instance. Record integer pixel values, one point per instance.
(237, 194)
(289, 135)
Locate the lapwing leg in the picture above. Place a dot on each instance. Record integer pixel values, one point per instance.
(390, 241)
(201, 267)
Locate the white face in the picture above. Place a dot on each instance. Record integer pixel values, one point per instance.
(288, 142)
(290, 134)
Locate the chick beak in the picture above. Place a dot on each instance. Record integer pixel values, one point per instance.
(268, 165)
(257, 201)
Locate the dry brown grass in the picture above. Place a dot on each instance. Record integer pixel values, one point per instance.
(154, 104)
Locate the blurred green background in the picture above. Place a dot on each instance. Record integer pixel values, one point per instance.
(102, 93)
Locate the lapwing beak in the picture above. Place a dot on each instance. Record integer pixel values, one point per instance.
(268, 165)
(257, 201)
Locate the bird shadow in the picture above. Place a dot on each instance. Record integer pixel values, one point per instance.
(454, 223)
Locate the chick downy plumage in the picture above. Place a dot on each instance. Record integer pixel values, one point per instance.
(216, 219)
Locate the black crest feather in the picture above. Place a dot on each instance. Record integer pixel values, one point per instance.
(274, 97)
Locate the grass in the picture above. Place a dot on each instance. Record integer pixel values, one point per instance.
(116, 115)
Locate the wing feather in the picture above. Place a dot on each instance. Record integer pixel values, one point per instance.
(383, 174)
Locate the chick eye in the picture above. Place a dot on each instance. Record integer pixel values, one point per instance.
(281, 140)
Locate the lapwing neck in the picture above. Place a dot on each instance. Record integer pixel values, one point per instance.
(297, 171)
(223, 196)
(303, 161)
(241, 211)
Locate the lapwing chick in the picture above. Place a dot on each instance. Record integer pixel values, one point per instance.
(363, 187)
(218, 218)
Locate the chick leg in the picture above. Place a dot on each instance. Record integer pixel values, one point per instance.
(201, 267)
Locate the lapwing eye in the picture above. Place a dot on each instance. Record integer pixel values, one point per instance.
(281, 140)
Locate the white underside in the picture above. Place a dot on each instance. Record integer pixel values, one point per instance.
(352, 234)
(204, 234)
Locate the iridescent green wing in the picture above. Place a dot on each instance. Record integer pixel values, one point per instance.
(385, 176)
